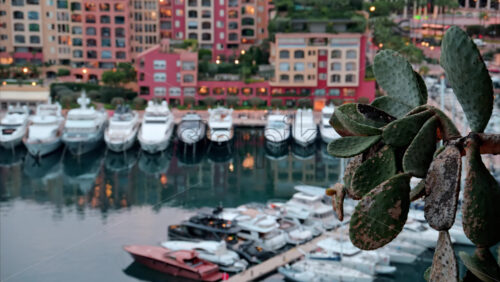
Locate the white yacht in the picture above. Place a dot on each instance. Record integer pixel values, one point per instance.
(211, 251)
(157, 127)
(295, 233)
(304, 129)
(322, 271)
(191, 129)
(84, 128)
(318, 210)
(122, 130)
(277, 130)
(13, 126)
(325, 129)
(398, 255)
(220, 125)
(420, 234)
(45, 130)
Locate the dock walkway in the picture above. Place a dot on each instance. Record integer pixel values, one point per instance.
(273, 263)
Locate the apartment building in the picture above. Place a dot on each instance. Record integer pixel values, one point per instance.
(89, 37)
(320, 64)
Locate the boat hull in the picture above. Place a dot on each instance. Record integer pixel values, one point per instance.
(154, 148)
(120, 146)
(43, 148)
(80, 146)
(11, 143)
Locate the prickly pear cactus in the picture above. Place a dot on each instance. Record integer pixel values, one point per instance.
(396, 137)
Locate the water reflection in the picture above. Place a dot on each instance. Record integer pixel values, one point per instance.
(246, 171)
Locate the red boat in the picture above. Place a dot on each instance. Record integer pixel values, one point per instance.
(178, 263)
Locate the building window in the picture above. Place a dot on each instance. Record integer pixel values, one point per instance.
(284, 77)
(32, 15)
(141, 76)
(91, 54)
(160, 91)
(351, 54)
(262, 91)
(77, 42)
(203, 90)
(18, 27)
(349, 92)
(77, 54)
(193, 35)
(298, 54)
(221, 35)
(206, 25)
(19, 39)
(76, 30)
(206, 36)
(192, 3)
(319, 92)
(105, 19)
(205, 3)
(188, 78)
(322, 76)
(91, 43)
(350, 66)
(119, 7)
(159, 64)
(90, 31)
(233, 25)
(104, 7)
(336, 67)
(220, 24)
(336, 54)
(298, 78)
(247, 21)
(298, 67)
(335, 78)
(144, 90)
(190, 91)
(284, 54)
(206, 14)
(334, 92)
(90, 19)
(192, 14)
(246, 91)
(119, 19)
(17, 2)
(121, 55)
(174, 91)
(106, 54)
(18, 15)
(34, 39)
(160, 77)
(233, 36)
(350, 78)
(218, 91)
(284, 66)
(188, 66)
(233, 91)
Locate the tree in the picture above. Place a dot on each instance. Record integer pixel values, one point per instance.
(276, 102)
(138, 103)
(113, 78)
(129, 73)
(117, 101)
(232, 101)
(208, 101)
(189, 101)
(379, 173)
(304, 103)
(255, 102)
(63, 72)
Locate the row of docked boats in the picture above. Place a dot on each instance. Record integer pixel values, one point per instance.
(232, 240)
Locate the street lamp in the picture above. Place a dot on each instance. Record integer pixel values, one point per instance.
(84, 71)
(25, 70)
(242, 52)
(372, 9)
(33, 83)
(236, 61)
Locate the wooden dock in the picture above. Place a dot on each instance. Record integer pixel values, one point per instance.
(273, 263)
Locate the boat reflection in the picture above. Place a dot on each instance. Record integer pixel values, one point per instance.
(153, 164)
(10, 158)
(303, 152)
(277, 151)
(220, 154)
(142, 273)
(190, 155)
(48, 167)
(121, 162)
(82, 171)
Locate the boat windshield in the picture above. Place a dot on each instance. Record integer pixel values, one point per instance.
(327, 116)
(155, 121)
(324, 214)
(277, 124)
(80, 117)
(191, 124)
(268, 235)
(219, 129)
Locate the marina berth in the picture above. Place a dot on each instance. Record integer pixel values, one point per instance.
(157, 127)
(122, 130)
(45, 130)
(13, 126)
(84, 127)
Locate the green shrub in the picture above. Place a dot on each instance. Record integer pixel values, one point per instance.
(189, 101)
(63, 72)
(304, 103)
(117, 101)
(138, 103)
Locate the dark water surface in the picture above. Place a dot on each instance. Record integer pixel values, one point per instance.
(64, 218)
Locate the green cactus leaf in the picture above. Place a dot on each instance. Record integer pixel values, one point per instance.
(396, 76)
(418, 191)
(374, 116)
(449, 130)
(442, 186)
(339, 128)
(391, 106)
(439, 151)
(350, 146)
(418, 156)
(427, 273)
(401, 132)
(444, 264)
(422, 87)
(482, 264)
(468, 76)
(355, 122)
(480, 208)
(372, 172)
(381, 214)
(351, 167)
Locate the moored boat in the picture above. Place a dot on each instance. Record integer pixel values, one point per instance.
(191, 129)
(220, 125)
(122, 130)
(325, 129)
(13, 126)
(304, 130)
(177, 263)
(157, 127)
(277, 130)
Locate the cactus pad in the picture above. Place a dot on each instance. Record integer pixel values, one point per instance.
(444, 264)
(381, 214)
(352, 166)
(373, 171)
(442, 186)
(354, 122)
(481, 204)
(391, 106)
(418, 191)
(339, 128)
(482, 264)
(422, 87)
(449, 130)
(468, 76)
(350, 146)
(396, 76)
(375, 117)
(401, 132)
(418, 156)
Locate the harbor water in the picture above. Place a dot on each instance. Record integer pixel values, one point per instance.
(66, 218)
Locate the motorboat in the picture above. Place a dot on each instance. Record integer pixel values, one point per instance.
(344, 252)
(191, 129)
(157, 127)
(84, 127)
(252, 251)
(404, 246)
(205, 227)
(295, 233)
(263, 229)
(212, 251)
(322, 271)
(420, 234)
(304, 130)
(220, 125)
(45, 130)
(318, 210)
(297, 214)
(185, 264)
(397, 255)
(13, 126)
(457, 233)
(325, 129)
(122, 130)
(277, 130)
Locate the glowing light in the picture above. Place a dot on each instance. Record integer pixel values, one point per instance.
(231, 167)
(248, 162)
(33, 83)
(217, 61)
(4, 83)
(380, 45)
(163, 179)
(25, 70)
(372, 9)
(236, 61)
(432, 48)
(84, 71)
(243, 52)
